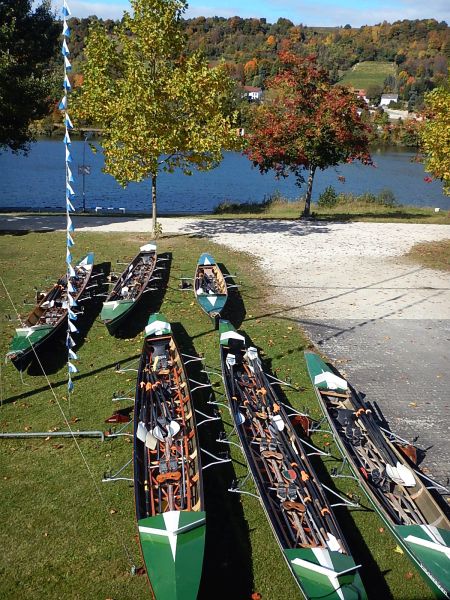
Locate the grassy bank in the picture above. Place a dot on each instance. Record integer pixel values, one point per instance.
(348, 208)
(434, 255)
(64, 534)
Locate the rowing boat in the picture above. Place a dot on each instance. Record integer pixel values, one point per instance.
(49, 315)
(167, 470)
(293, 499)
(395, 490)
(129, 288)
(210, 287)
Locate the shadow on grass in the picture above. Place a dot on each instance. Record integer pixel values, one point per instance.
(227, 565)
(150, 302)
(343, 217)
(53, 353)
(58, 384)
(234, 310)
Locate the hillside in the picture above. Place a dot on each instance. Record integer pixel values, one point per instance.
(367, 74)
(407, 57)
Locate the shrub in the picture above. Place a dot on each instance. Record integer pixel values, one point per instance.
(386, 198)
(328, 198)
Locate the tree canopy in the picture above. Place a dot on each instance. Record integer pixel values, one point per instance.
(435, 135)
(306, 123)
(28, 43)
(158, 108)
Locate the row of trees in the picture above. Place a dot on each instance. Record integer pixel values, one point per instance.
(161, 107)
(250, 47)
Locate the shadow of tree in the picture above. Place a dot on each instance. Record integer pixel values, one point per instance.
(234, 310)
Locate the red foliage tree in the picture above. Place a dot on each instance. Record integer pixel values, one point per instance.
(306, 123)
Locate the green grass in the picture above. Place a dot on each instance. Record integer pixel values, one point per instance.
(61, 539)
(434, 255)
(367, 73)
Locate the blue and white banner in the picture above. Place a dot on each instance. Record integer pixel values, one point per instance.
(71, 285)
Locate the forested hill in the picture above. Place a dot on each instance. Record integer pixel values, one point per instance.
(419, 50)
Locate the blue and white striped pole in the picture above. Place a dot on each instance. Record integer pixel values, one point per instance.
(72, 317)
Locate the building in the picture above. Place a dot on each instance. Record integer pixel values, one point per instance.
(386, 99)
(252, 93)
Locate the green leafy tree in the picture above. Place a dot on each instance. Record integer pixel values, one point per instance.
(159, 109)
(28, 43)
(306, 124)
(435, 135)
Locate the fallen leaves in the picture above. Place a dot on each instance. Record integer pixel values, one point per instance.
(398, 550)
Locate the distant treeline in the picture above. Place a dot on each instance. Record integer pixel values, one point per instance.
(419, 48)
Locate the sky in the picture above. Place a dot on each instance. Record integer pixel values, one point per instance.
(309, 12)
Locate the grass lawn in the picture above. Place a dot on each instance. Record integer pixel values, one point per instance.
(367, 73)
(64, 534)
(434, 255)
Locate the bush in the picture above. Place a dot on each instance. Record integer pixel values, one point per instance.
(328, 198)
(386, 198)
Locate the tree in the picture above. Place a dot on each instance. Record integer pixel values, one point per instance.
(435, 135)
(28, 42)
(158, 109)
(306, 123)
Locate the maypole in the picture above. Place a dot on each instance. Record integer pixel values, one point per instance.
(72, 317)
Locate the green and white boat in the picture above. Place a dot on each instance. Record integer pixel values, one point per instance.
(396, 491)
(291, 494)
(168, 485)
(210, 287)
(49, 315)
(129, 288)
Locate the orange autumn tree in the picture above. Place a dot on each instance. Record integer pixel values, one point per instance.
(305, 124)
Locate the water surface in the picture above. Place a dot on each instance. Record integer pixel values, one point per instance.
(36, 182)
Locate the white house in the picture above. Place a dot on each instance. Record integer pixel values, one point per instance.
(252, 93)
(386, 99)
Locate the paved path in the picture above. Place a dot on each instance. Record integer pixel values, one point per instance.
(383, 321)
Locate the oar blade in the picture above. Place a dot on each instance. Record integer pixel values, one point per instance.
(401, 475)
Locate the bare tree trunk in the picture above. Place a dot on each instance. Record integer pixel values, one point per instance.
(307, 209)
(154, 223)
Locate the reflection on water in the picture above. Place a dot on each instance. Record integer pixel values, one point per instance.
(37, 182)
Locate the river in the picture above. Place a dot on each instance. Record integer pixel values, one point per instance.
(36, 182)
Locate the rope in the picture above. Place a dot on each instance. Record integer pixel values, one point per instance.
(97, 488)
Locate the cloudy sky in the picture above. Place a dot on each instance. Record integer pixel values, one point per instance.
(308, 12)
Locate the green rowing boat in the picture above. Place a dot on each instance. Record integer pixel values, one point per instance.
(394, 489)
(129, 288)
(49, 315)
(167, 470)
(291, 494)
(210, 287)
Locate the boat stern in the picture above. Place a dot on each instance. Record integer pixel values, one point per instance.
(322, 573)
(173, 546)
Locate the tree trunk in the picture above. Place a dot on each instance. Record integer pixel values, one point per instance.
(154, 222)
(307, 209)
